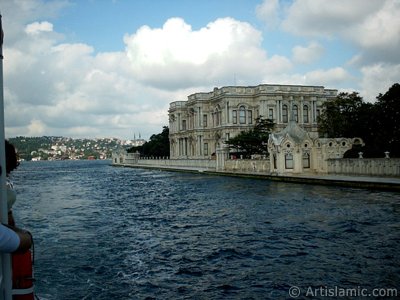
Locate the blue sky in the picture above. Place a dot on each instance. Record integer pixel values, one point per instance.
(84, 20)
(110, 68)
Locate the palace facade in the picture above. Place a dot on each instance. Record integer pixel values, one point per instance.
(201, 125)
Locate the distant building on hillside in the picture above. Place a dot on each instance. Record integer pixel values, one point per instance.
(136, 142)
(200, 125)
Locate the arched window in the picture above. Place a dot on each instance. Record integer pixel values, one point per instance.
(305, 114)
(284, 114)
(306, 160)
(289, 161)
(216, 117)
(296, 113)
(242, 115)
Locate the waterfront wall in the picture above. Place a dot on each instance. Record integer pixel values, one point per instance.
(133, 159)
(389, 167)
(208, 164)
(253, 166)
(365, 166)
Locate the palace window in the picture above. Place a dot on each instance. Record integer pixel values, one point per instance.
(271, 114)
(227, 112)
(204, 120)
(183, 124)
(242, 115)
(305, 114)
(205, 149)
(217, 117)
(289, 161)
(296, 113)
(234, 116)
(249, 117)
(199, 143)
(284, 114)
(199, 116)
(306, 160)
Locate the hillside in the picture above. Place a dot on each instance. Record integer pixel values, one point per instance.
(54, 148)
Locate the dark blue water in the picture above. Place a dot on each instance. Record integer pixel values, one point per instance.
(103, 232)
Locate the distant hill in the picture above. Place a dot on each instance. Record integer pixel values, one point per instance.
(54, 148)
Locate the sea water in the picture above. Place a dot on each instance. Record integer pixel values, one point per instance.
(103, 232)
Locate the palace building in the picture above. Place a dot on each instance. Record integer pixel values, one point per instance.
(201, 125)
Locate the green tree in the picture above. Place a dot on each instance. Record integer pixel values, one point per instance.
(377, 124)
(388, 120)
(253, 141)
(157, 146)
(340, 114)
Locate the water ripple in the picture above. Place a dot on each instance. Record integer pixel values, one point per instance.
(116, 233)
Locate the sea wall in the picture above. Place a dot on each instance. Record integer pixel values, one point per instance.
(383, 167)
(208, 164)
(133, 159)
(254, 166)
(365, 166)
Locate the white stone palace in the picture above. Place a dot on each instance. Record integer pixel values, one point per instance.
(200, 125)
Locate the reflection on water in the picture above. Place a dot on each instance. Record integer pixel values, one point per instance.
(120, 233)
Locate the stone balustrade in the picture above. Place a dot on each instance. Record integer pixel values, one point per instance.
(365, 166)
(247, 166)
(389, 167)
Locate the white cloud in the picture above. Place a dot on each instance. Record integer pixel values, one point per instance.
(378, 78)
(268, 11)
(326, 18)
(378, 34)
(54, 87)
(335, 78)
(373, 27)
(370, 28)
(309, 54)
(331, 77)
(379, 28)
(68, 90)
(37, 27)
(176, 56)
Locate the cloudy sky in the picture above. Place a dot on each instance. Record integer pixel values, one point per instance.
(110, 68)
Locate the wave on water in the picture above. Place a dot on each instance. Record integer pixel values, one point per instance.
(118, 233)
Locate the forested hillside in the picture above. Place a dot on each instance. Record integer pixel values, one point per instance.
(52, 147)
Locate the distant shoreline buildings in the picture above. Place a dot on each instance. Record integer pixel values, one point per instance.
(136, 142)
(60, 148)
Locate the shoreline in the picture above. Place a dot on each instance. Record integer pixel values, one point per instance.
(364, 182)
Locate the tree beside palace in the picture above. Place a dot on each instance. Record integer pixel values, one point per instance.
(252, 141)
(378, 124)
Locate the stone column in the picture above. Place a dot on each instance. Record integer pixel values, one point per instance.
(222, 155)
(136, 156)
